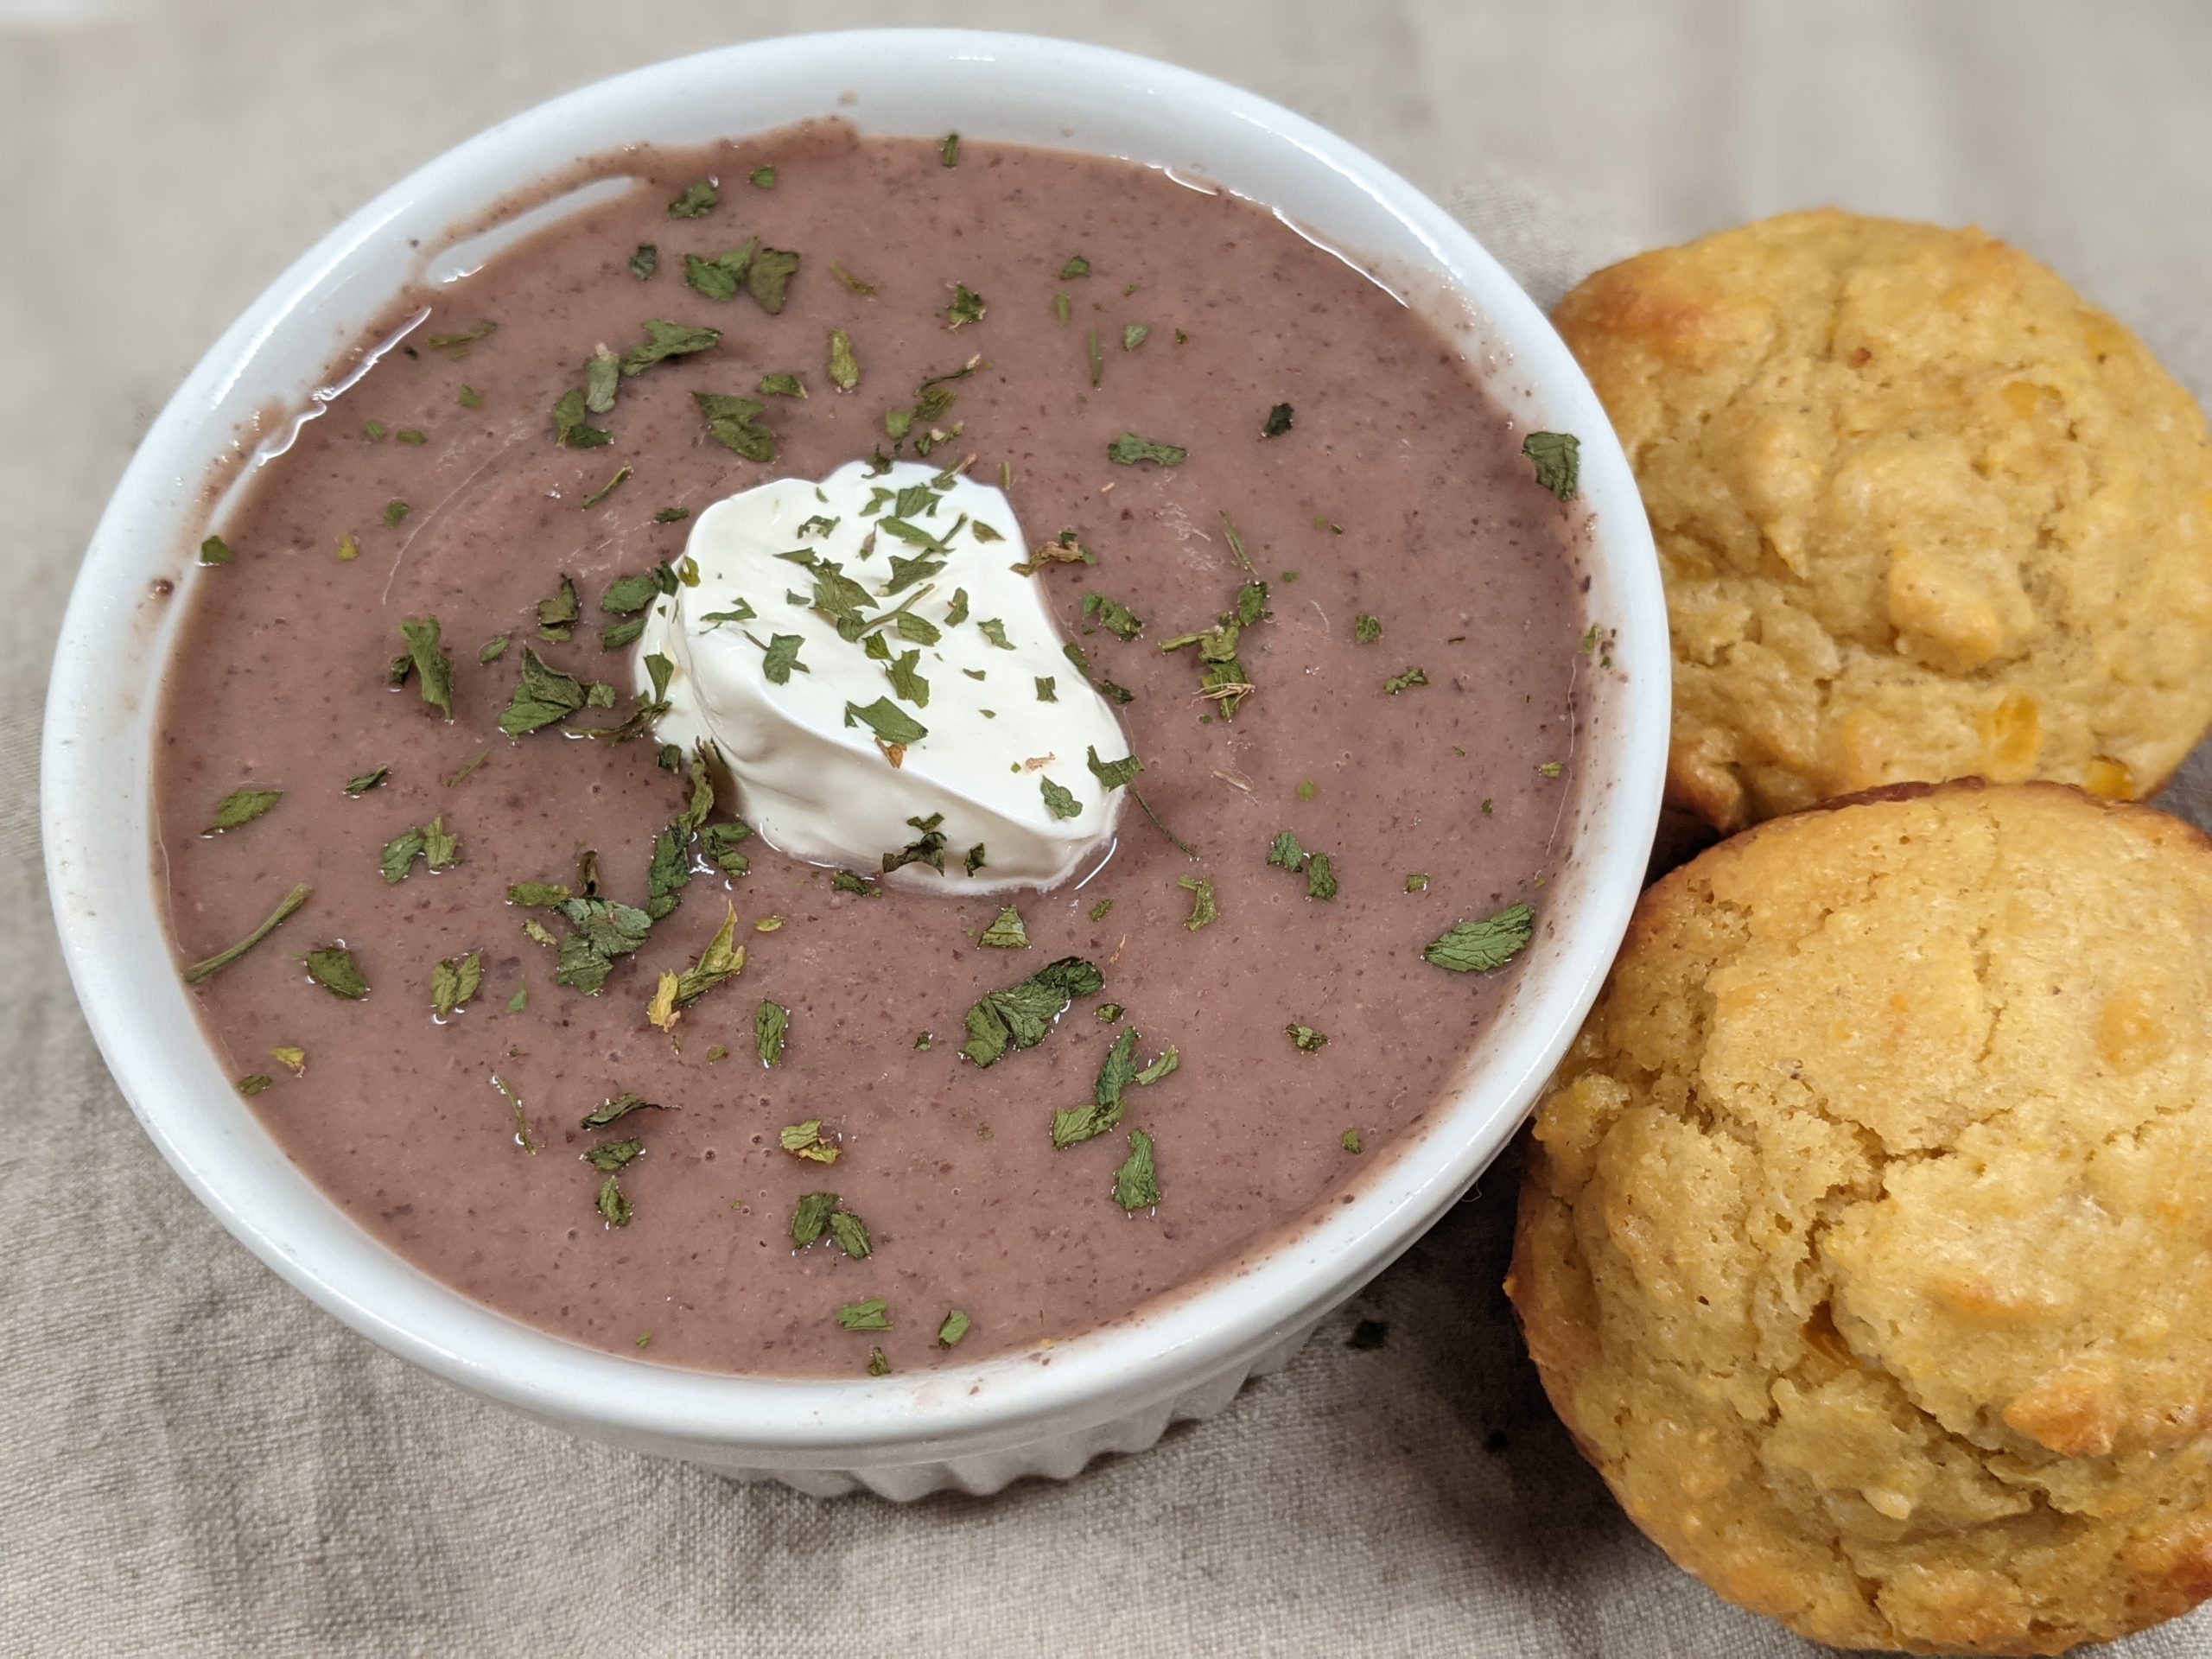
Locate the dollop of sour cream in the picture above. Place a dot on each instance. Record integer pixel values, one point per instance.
(875, 674)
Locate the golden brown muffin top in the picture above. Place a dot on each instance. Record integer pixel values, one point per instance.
(1867, 1242)
(1922, 513)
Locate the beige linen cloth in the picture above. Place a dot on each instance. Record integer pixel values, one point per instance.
(194, 1460)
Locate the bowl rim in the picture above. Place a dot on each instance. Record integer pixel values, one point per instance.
(1196, 1330)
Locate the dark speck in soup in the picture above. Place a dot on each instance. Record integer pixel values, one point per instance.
(1398, 493)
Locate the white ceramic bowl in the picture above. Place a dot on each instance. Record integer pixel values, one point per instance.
(974, 1427)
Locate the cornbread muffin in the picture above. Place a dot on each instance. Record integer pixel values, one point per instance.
(1865, 1243)
(1921, 512)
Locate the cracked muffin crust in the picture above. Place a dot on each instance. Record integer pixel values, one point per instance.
(1866, 1243)
(1921, 512)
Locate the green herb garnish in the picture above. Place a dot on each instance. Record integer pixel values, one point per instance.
(907, 680)
(1405, 682)
(667, 340)
(441, 847)
(241, 807)
(1112, 615)
(957, 1325)
(1060, 802)
(781, 655)
(1366, 630)
(216, 550)
(805, 1140)
(927, 847)
(1136, 1183)
(1320, 875)
(199, 972)
(543, 698)
(865, 1316)
(769, 276)
(734, 423)
(1129, 449)
(1556, 458)
(1117, 1071)
(1006, 932)
(399, 855)
(432, 668)
(696, 201)
(1307, 1041)
(1203, 908)
(817, 1213)
(967, 306)
(1161, 824)
(893, 726)
(770, 1023)
(1112, 774)
(333, 967)
(557, 616)
(723, 959)
(613, 1205)
(844, 367)
(571, 431)
(1479, 947)
(644, 262)
(1063, 549)
(457, 345)
(1021, 1015)
(454, 981)
(622, 476)
(603, 931)
(611, 1155)
(631, 593)
(617, 1107)
(1222, 678)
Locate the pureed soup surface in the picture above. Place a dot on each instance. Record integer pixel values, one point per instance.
(1431, 761)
